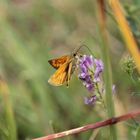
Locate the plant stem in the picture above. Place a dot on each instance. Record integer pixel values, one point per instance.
(125, 31)
(107, 65)
(101, 98)
(110, 122)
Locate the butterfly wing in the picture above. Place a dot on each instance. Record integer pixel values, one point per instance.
(65, 66)
(69, 72)
(57, 62)
(60, 76)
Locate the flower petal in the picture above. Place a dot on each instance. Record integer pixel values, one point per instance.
(90, 100)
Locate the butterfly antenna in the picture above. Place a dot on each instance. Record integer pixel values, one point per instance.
(83, 45)
(89, 49)
(77, 49)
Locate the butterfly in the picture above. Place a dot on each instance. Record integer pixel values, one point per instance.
(65, 66)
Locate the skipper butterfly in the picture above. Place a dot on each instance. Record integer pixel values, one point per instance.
(65, 66)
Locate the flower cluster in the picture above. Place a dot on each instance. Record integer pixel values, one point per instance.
(90, 69)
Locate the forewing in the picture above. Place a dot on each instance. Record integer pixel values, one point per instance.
(60, 76)
(57, 62)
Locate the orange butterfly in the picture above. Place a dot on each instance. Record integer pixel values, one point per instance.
(65, 66)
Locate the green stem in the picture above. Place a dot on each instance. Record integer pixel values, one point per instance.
(107, 65)
(101, 97)
(108, 83)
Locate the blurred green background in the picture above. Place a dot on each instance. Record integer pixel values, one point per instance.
(34, 31)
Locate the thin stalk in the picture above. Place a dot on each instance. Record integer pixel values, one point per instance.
(96, 125)
(101, 97)
(107, 65)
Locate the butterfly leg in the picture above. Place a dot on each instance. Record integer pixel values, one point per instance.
(69, 73)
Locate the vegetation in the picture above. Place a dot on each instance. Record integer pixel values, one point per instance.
(32, 32)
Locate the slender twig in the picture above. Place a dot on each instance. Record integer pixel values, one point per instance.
(110, 121)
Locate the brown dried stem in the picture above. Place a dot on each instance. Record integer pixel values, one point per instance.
(110, 121)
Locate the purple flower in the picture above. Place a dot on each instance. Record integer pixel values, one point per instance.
(86, 60)
(90, 100)
(98, 69)
(89, 86)
(90, 70)
(113, 89)
(89, 73)
(85, 65)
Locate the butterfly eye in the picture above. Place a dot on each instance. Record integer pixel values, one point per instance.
(74, 54)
